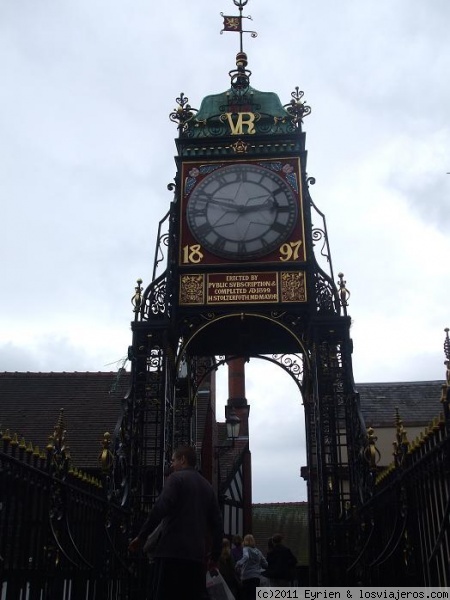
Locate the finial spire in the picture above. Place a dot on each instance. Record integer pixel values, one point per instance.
(232, 23)
(447, 355)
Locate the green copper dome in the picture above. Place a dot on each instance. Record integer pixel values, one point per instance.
(231, 113)
(267, 103)
(241, 111)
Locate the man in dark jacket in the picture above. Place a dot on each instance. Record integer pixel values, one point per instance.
(281, 563)
(189, 511)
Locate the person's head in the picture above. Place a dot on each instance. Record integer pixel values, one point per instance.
(183, 457)
(226, 548)
(277, 539)
(249, 540)
(237, 540)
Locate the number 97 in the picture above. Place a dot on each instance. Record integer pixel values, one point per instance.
(290, 250)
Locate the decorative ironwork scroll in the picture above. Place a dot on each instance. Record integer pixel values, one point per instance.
(296, 108)
(183, 114)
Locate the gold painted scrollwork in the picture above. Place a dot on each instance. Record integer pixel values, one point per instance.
(191, 289)
(293, 287)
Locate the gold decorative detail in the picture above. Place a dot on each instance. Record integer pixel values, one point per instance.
(240, 147)
(183, 113)
(371, 453)
(192, 289)
(293, 287)
(443, 393)
(224, 288)
(232, 23)
(58, 452)
(401, 444)
(237, 122)
(278, 120)
(136, 300)
(446, 386)
(51, 443)
(344, 294)
(59, 434)
(106, 457)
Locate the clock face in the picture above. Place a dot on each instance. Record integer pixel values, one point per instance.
(242, 211)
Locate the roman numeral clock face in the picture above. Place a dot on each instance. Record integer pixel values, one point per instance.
(242, 212)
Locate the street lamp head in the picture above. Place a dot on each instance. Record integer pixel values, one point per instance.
(233, 425)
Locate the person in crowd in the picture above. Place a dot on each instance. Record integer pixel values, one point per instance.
(264, 580)
(237, 549)
(227, 568)
(190, 514)
(250, 567)
(281, 563)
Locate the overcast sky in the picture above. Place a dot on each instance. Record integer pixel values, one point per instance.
(86, 153)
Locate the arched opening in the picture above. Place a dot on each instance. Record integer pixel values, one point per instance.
(276, 430)
(243, 333)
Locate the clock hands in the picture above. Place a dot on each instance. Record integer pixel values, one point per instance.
(270, 203)
(224, 203)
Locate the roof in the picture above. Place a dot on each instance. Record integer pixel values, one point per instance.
(271, 116)
(30, 404)
(418, 402)
(267, 102)
(288, 518)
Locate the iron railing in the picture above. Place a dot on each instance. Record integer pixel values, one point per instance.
(403, 531)
(60, 538)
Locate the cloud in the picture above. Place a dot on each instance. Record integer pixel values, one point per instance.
(60, 353)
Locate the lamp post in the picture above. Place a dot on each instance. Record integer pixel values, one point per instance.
(233, 423)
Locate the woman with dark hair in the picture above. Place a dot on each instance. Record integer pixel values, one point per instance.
(237, 549)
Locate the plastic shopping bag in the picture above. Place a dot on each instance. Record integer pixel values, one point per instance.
(153, 540)
(216, 587)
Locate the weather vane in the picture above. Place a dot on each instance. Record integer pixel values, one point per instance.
(231, 23)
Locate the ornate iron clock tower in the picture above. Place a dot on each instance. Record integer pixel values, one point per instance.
(247, 274)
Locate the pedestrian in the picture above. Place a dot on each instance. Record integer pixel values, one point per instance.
(250, 567)
(189, 512)
(237, 549)
(281, 563)
(264, 579)
(227, 568)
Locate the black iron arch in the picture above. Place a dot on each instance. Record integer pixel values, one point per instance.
(241, 335)
(291, 364)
